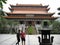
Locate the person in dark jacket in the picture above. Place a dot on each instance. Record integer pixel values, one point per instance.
(18, 37)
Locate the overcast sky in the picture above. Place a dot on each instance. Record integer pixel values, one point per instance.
(53, 4)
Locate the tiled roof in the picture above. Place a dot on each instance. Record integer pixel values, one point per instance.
(29, 9)
(30, 5)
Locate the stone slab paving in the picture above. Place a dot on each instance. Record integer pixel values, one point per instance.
(10, 39)
(7, 39)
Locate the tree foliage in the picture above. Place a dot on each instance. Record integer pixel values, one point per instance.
(56, 27)
(1, 6)
(47, 21)
(2, 2)
(3, 21)
(30, 29)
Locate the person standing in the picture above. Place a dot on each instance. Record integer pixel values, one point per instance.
(18, 37)
(23, 35)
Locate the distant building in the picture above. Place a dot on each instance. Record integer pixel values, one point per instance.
(30, 14)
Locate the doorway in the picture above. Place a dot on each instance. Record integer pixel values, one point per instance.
(29, 22)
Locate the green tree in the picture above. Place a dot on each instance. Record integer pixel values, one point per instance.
(30, 29)
(3, 24)
(1, 7)
(49, 22)
(2, 20)
(12, 25)
(56, 27)
(2, 2)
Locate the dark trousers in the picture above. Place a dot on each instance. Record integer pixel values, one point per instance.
(18, 40)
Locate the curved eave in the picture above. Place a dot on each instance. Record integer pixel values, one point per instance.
(10, 9)
(31, 13)
(17, 17)
(48, 9)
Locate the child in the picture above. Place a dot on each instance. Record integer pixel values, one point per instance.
(23, 37)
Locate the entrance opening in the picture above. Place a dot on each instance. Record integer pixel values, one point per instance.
(29, 22)
(45, 24)
(21, 22)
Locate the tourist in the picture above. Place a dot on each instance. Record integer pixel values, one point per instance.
(52, 39)
(39, 39)
(18, 37)
(23, 37)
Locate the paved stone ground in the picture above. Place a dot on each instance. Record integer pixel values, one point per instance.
(10, 39)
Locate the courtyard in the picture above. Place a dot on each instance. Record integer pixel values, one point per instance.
(10, 39)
